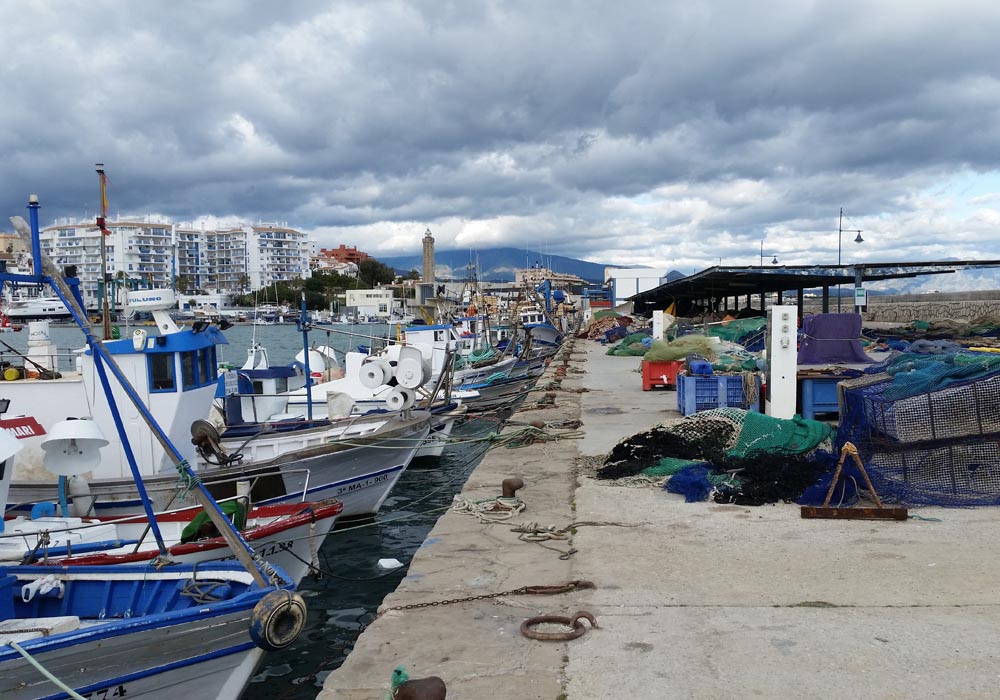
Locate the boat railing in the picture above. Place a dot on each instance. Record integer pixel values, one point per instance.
(140, 517)
(64, 361)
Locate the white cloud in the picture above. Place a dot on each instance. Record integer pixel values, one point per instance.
(667, 133)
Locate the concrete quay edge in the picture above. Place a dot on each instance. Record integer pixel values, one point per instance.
(702, 601)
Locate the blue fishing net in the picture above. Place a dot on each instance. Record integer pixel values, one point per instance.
(928, 428)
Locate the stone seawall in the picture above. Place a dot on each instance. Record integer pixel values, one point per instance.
(925, 307)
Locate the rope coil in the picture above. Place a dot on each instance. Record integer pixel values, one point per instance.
(489, 510)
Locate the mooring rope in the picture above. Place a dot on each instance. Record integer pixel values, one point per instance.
(488, 510)
(45, 672)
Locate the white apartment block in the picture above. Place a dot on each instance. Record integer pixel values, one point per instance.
(227, 261)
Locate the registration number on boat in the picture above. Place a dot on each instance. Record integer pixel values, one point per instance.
(358, 485)
(274, 548)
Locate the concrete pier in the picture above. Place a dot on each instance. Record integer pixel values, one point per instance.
(693, 600)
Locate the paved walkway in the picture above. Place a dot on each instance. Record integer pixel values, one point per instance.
(696, 601)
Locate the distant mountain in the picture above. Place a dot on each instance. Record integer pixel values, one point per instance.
(497, 264)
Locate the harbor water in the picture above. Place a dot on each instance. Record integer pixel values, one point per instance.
(343, 600)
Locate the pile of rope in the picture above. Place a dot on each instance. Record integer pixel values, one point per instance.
(530, 435)
(488, 510)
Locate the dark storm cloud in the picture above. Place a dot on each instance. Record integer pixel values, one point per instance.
(679, 131)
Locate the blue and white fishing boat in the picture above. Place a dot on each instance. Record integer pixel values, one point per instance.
(349, 395)
(132, 631)
(148, 631)
(536, 324)
(174, 374)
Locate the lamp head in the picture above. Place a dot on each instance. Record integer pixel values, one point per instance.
(859, 239)
(73, 447)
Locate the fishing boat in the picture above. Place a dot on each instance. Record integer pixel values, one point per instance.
(7, 326)
(133, 631)
(447, 409)
(142, 631)
(357, 460)
(287, 536)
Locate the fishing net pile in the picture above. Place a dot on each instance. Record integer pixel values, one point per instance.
(928, 427)
(748, 332)
(664, 351)
(632, 345)
(737, 456)
(477, 358)
(610, 327)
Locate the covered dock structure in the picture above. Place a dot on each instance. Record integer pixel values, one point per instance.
(722, 288)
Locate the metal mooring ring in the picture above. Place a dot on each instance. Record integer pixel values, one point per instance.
(578, 628)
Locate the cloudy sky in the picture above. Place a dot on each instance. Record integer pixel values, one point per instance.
(675, 133)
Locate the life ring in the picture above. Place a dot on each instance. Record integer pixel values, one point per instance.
(277, 620)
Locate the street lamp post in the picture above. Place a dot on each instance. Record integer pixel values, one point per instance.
(774, 259)
(840, 234)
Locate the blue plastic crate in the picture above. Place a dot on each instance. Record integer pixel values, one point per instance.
(718, 391)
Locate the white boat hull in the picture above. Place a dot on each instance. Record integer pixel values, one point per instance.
(359, 471)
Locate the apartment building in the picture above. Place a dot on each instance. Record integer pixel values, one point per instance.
(160, 253)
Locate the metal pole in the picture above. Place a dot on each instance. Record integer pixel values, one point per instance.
(36, 245)
(840, 233)
(304, 327)
(244, 554)
(102, 225)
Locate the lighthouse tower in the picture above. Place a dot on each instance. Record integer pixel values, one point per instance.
(428, 271)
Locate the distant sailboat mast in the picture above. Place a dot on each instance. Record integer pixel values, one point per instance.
(101, 224)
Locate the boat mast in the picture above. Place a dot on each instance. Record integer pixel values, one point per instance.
(45, 272)
(304, 327)
(102, 224)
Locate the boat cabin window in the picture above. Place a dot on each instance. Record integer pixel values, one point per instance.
(161, 371)
(206, 359)
(197, 368)
(438, 335)
(189, 370)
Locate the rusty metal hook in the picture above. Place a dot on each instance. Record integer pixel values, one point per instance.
(578, 628)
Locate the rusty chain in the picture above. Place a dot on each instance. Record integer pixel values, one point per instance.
(568, 587)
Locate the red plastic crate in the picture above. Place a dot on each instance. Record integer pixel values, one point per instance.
(660, 373)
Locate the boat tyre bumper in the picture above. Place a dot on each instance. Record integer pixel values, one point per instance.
(277, 620)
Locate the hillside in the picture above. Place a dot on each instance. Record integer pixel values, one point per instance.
(497, 264)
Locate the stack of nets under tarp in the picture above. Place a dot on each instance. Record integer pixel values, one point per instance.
(928, 427)
(666, 351)
(743, 457)
(748, 332)
(632, 345)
